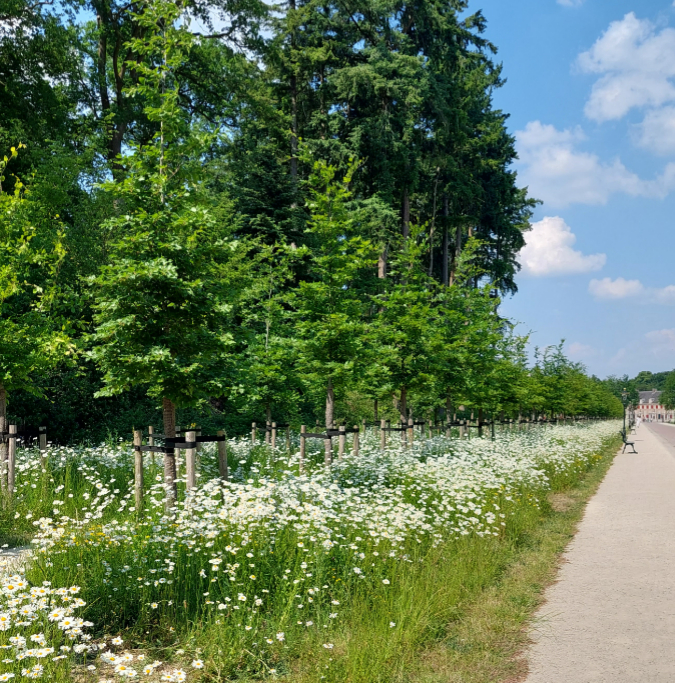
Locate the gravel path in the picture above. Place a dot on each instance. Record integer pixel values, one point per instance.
(13, 559)
(610, 618)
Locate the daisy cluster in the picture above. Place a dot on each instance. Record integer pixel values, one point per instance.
(40, 635)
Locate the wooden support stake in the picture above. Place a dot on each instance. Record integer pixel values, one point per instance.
(190, 462)
(43, 446)
(151, 442)
(3, 458)
(303, 429)
(222, 457)
(253, 434)
(274, 435)
(342, 440)
(138, 472)
(288, 439)
(328, 453)
(268, 426)
(11, 460)
(383, 434)
(355, 445)
(176, 454)
(411, 432)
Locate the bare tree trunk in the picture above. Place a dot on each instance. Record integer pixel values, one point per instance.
(3, 442)
(268, 423)
(294, 113)
(375, 411)
(382, 264)
(170, 488)
(330, 413)
(458, 253)
(446, 242)
(403, 411)
(406, 214)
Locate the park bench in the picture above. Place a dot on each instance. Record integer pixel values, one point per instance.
(626, 442)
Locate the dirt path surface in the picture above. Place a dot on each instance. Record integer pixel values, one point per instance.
(610, 618)
(13, 559)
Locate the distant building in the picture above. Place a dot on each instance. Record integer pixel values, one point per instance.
(649, 408)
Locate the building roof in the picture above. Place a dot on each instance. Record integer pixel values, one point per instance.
(652, 396)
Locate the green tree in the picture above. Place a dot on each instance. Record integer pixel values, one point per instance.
(164, 301)
(33, 337)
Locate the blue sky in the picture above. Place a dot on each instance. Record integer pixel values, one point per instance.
(591, 93)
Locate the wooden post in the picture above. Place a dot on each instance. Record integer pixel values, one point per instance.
(253, 434)
(342, 440)
(138, 472)
(303, 429)
(190, 464)
(3, 456)
(288, 439)
(11, 460)
(274, 435)
(222, 457)
(383, 434)
(151, 442)
(462, 429)
(411, 432)
(176, 454)
(355, 447)
(328, 452)
(268, 429)
(43, 446)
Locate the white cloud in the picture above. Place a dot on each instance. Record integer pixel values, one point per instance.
(661, 341)
(560, 174)
(615, 289)
(608, 289)
(635, 63)
(657, 131)
(548, 250)
(579, 351)
(657, 347)
(570, 3)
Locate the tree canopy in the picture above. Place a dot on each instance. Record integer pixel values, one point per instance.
(250, 211)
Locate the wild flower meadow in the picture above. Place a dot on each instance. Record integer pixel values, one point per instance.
(247, 575)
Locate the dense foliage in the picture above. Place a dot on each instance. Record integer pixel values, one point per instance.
(250, 212)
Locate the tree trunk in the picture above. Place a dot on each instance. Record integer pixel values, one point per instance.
(457, 254)
(3, 442)
(375, 411)
(294, 112)
(330, 413)
(403, 411)
(268, 423)
(446, 242)
(170, 488)
(382, 264)
(406, 214)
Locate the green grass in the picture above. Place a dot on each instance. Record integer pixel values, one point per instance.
(461, 615)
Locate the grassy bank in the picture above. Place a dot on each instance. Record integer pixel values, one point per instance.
(461, 616)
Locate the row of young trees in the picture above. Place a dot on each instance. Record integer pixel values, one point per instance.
(310, 206)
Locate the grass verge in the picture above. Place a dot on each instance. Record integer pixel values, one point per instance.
(461, 615)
